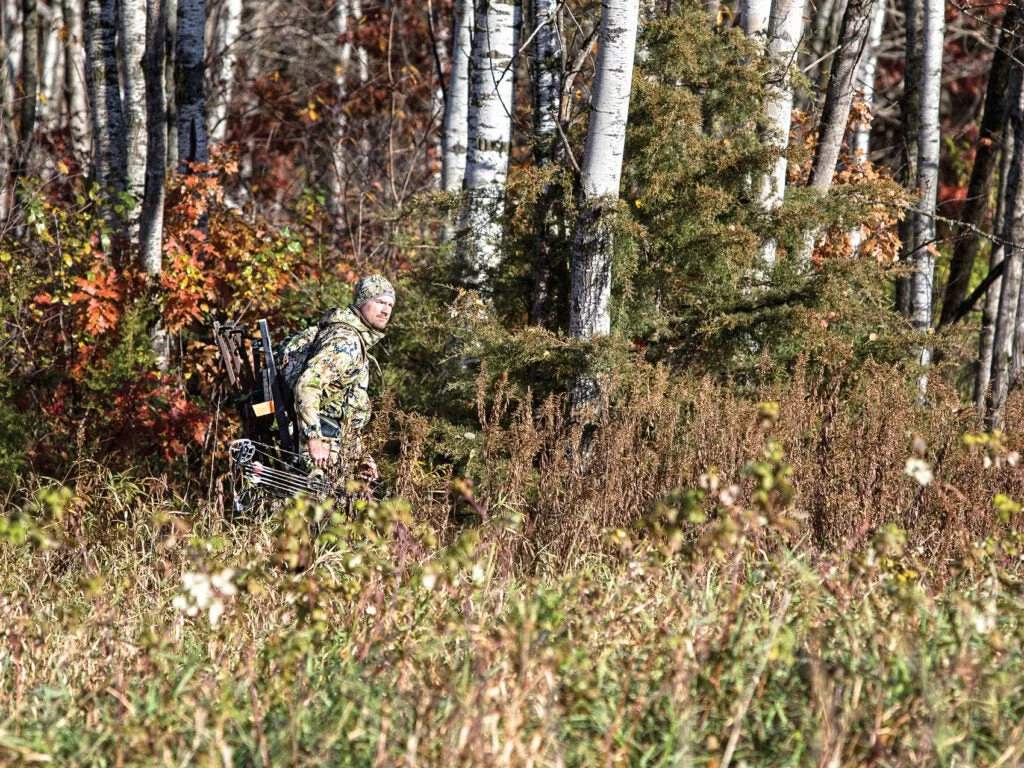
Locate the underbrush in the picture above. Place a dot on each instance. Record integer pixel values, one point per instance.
(668, 597)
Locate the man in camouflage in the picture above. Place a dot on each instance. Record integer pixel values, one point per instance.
(331, 401)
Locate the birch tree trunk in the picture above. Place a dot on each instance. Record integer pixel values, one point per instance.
(132, 17)
(910, 108)
(109, 155)
(986, 337)
(228, 29)
(152, 216)
(547, 91)
(1007, 317)
(495, 43)
(785, 27)
(151, 220)
(923, 277)
(29, 87)
(456, 113)
(754, 17)
(49, 79)
(75, 98)
(865, 83)
(979, 189)
(337, 177)
(591, 286)
(8, 138)
(191, 86)
(839, 96)
(865, 80)
(170, 83)
(836, 112)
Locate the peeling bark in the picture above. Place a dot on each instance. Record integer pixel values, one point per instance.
(495, 44)
(928, 149)
(109, 156)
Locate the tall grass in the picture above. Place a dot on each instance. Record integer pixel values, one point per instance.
(800, 600)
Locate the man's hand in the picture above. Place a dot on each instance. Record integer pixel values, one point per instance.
(368, 468)
(319, 452)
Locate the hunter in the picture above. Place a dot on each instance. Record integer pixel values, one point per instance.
(331, 401)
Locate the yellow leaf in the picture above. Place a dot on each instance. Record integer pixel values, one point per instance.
(62, 167)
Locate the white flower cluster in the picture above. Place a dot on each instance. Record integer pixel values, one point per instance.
(920, 470)
(204, 592)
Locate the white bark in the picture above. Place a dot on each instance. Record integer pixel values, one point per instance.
(191, 87)
(75, 100)
(865, 80)
(785, 27)
(456, 115)
(338, 170)
(923, 278)
(132, 18)
(495, 43)
(441, 36)
(109, 160)
(591, 285)
(228, 30)
(53, 59)
(754, 16)
(152, 208)
(1008, 315)
(547, 48)
(865, 83)
(13, 39)
(986, 337)
(839, 97)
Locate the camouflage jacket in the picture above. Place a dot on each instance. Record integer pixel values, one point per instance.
(337, 373)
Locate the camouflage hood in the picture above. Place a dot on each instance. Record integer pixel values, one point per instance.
(350, 317)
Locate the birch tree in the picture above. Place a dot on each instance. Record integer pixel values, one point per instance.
(865, 79)
(979, 189)
(50, 73)
(75, 99)
(547, 101)
(839, 96)
(339, 130)
(785, 26)
(132, 18)
(8, 137)
(909, 112)
(170, 83)
(228, 28)
(923, 277)
(191, 87)
(29, 85)
(1007, 315)
(754, 17)
(109, 155)
(456, 113)
(865, 83)
(591, 284)
(990, 310)
(495, 43)
(151, 218)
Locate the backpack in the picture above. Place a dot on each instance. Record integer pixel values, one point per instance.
(292, 354)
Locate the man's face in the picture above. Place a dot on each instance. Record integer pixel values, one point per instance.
(377, 312)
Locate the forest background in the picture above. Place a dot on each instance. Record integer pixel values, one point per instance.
(697, 418)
